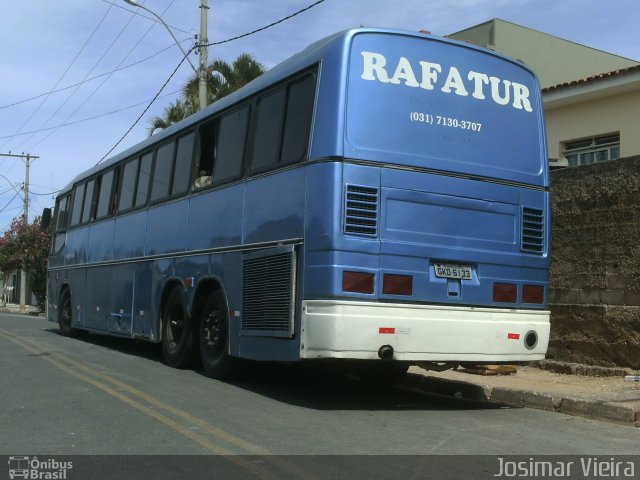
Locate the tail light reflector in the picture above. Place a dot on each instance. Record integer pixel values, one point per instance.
(357, 282)
(533, 294)
(397, 284)
(505, 292)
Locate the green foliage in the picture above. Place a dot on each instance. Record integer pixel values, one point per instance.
(222, 79)
(24, 246)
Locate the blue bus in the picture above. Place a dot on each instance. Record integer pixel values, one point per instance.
(378, 200)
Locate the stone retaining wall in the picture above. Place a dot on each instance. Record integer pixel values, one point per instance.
(595, 271)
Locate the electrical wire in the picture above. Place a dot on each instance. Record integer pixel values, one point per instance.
(267, 26)
(93, 78)
(104, 80)
(154, 20)
(185, 57)
(63, 75)
(147, 107)
(9, 202)
(92, 118)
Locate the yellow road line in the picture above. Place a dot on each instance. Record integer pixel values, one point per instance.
(199, 439)
(60, 360)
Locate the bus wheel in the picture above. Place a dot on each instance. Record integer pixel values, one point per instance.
(177, 335)
(214, 339)
(65, 313)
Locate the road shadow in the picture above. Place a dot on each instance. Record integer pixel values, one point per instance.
(128, 346)
(302, 385)
(320, 389)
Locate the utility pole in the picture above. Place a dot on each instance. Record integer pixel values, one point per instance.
(202, 46)
(201, 72)
(26, 157)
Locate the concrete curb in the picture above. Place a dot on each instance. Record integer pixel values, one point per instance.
(614, 412)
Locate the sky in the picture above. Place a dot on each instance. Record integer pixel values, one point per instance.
(76, 74)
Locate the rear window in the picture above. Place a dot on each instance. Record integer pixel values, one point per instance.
(432, 104)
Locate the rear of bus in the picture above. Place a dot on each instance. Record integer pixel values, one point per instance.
(427, 233)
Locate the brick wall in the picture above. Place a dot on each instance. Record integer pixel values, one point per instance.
(595, 271)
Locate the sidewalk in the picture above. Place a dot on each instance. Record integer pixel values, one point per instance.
(608, 399)
(15, 308)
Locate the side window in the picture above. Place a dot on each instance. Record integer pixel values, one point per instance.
(162, 173)
(268, 130)
(182, 168)
(78, 199)
(62, 211)
(87, 210)
(298, 119)
(230, 149)
(206, 154)
(128, 188)
(283, 124)
(143, 179)
(104, 198)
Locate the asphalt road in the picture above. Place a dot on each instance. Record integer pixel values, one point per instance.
(104, 396)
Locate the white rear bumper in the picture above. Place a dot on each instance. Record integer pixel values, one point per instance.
(357, 330)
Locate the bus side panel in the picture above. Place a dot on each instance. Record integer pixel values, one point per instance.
(96, 297)
(274, 210)
(215, 218)
(119, 316)
(144, 323)
(76, 248)
(77, 280)
(165, 237)
(129, 236)
(101, 241)
(274, 207)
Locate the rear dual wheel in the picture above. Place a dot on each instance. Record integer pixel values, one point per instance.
(214, 339)
(179, 344)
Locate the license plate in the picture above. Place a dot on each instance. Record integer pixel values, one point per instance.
(453, 270)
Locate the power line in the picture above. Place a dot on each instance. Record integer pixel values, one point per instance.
(89, 118)
(104, 81)
(147, 107)
(144, 16)
(93, 78)
(184, 58)
(63, 74)
(267, 26)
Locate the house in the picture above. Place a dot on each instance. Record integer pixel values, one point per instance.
(590, 96)
(591, 100)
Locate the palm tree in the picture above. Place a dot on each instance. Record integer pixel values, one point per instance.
(222, 79)
(172, 114)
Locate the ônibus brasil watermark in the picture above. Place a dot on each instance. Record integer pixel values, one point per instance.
(32, 468)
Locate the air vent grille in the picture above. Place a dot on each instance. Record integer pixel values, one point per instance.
(267, 292)
(361, 211)
(532, 230)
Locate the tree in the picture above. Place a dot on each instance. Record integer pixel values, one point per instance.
(172, 114)
(25, 247)
(222, 79)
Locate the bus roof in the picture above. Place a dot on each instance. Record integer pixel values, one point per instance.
(336, 46)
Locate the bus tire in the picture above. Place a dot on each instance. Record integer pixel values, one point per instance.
(214, 339)
(178, 346)
(65, 314)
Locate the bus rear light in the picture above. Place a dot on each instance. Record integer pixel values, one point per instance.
(533, 294)
(505, 292)
(357, 282)
(397, 284)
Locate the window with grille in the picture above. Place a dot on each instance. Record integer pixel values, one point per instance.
(592, 150)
